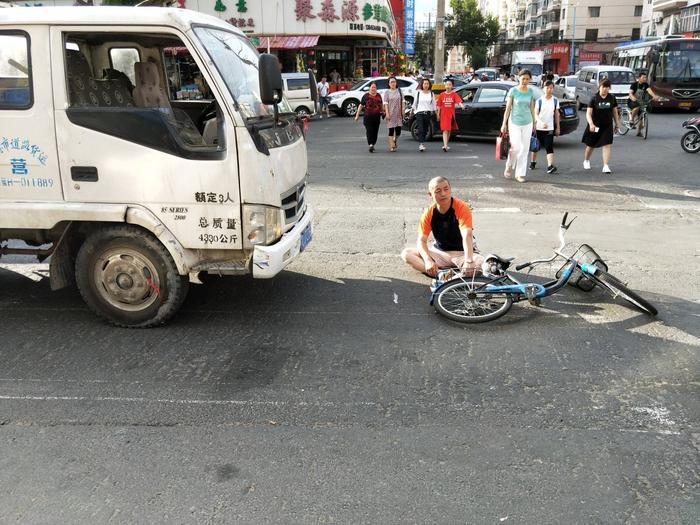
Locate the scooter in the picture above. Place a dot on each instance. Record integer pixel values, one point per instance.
(690, 142)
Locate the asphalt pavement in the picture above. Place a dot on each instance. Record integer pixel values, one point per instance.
(335, 394)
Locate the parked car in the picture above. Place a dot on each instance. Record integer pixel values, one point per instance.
(347, 102)
(484, 105)
(491, 73)
(565, 87)
(588, 78)
(297, 88)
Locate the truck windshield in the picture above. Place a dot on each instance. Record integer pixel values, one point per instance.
(535, 69)
(237, 62)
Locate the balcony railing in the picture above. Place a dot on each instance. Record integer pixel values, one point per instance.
(668, 5)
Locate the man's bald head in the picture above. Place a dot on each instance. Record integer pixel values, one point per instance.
(435, 181)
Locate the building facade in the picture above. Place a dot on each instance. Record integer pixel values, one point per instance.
(671, 17)
(593, 28)
(354, 37)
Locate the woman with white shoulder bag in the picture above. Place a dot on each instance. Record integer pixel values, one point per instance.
(424, 107)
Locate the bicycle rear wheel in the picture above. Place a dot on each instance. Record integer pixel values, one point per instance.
(645, 121)
(457, 300)
(617, 288)
(625, 122)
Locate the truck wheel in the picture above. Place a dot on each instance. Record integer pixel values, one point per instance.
(127, 277)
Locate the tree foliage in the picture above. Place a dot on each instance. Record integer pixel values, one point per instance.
(468, 27)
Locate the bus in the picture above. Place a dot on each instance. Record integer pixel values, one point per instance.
(673, 64)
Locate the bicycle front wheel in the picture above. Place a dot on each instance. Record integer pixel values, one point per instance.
(617, 288)
(459, 301)
(645, 123)
(625, 119)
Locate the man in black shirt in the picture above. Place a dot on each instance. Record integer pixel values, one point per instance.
(638, 91)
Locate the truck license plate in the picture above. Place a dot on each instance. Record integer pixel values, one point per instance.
(568, 111)
(305, 238)
(684, 104)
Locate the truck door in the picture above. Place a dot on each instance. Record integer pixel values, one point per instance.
(128, 133)
(28, 164)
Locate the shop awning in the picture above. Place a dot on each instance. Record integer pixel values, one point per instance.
(287, 42)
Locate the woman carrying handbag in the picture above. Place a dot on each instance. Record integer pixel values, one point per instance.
(519, 123)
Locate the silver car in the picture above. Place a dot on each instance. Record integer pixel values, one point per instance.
(565, 87)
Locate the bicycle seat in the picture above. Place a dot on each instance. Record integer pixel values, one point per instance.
(502, 260)
(495, 264)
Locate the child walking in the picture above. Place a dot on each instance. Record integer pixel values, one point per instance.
(547, 124)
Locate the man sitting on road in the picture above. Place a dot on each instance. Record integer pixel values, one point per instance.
(450, 221)
(638, 95)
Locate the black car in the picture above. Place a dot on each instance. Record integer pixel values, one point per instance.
(484, 105)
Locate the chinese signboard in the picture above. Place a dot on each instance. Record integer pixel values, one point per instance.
(363, 18)
(409, 34)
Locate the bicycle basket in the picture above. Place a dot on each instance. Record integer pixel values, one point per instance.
(584, 254)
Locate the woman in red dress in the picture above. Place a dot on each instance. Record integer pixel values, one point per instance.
(446, 105)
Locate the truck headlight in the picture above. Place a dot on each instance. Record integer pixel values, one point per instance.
(261, 224)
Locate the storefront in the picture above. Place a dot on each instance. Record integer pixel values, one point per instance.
(353, 37)
(556, 57)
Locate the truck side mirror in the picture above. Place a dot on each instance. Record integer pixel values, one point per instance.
(270, 77)
(313, 86)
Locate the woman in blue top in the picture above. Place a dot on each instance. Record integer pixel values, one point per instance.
(519, 123)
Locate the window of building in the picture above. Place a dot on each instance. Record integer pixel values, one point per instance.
(638, 10)
(591, 35)
(594, 12)
(15, 71)
(635, 33)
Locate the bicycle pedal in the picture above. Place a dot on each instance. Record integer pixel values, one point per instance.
(536, 301)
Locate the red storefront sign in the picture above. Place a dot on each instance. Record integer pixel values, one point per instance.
(556, 57)
(586, 56)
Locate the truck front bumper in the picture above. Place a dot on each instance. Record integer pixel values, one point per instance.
(268, 261)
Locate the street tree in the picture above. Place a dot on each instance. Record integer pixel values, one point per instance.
(467, 26)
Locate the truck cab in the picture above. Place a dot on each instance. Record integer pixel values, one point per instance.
(134, 171)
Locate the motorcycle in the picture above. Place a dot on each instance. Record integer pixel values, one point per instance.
(690, 142)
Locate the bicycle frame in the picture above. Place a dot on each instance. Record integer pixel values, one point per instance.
(530, 291)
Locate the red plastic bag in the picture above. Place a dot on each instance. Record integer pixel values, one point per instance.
(502, 146)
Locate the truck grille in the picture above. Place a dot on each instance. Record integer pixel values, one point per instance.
(294, 204)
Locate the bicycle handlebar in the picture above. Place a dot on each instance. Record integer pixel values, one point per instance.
(562, 242)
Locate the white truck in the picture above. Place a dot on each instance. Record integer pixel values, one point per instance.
(533, 61)
(131, 188)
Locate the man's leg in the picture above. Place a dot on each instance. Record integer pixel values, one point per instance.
(412, 257)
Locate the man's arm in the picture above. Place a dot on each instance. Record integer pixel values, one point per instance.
(467, 245)
(431, 266)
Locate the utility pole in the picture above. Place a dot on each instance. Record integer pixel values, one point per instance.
(573, 44)
(439, 42)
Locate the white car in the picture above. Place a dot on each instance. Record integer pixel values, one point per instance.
(347, 102)
(565, 87)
